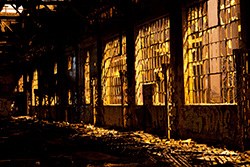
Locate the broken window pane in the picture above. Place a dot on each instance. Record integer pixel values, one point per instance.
(212, 13)
(215, 92)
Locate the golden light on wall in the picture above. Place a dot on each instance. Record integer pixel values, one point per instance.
(209, 63)
(87, 79)
(152, 50)
(113, 62)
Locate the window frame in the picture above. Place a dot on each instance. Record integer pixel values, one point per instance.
(214, 55)
(152, 50)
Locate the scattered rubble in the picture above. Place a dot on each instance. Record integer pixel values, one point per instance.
(147, 148)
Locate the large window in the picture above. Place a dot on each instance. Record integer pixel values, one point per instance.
(112, 63)
(152, 50)
(87, 79)
(211, 33)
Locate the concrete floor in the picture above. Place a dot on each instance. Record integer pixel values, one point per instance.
(25, 141)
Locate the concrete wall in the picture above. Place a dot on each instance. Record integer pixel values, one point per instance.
(112, 116)
(209, 123)
(150, 119)
(5, 107)
(86, 114)
(6, 93)
(215, 123)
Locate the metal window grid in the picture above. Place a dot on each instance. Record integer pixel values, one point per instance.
(113, 62)
(152, 50)
(209, 63)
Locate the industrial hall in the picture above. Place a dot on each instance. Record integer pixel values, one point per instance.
(178, 69)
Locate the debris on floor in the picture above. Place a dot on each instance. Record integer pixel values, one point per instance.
(74, 144)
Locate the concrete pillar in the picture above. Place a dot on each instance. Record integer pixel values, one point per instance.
(130, 116)
(176, 60)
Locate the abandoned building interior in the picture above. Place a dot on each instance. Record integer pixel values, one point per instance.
(176, 68)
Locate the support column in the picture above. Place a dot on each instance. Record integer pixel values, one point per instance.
(245, 24)
(99, 102)
(130, 115)
(241, 100)
(62, 67)
(176, 61)
(76, 113)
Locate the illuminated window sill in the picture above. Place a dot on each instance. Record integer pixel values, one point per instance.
(212, 104)
(114, 105)
(154, 105)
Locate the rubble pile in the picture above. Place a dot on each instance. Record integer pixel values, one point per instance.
(147, 147)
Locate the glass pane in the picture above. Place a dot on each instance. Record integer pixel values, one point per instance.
(215, 91)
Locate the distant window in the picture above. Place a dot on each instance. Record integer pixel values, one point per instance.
(15, 90)
(55, 68)
(20, 84)
(69, 63)
(54, 100)
(113, 62)
(87, 79)
(152, 50)
(69, 98)
(28, 78)
(45, 101)
(209, 63)
(35, 99)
